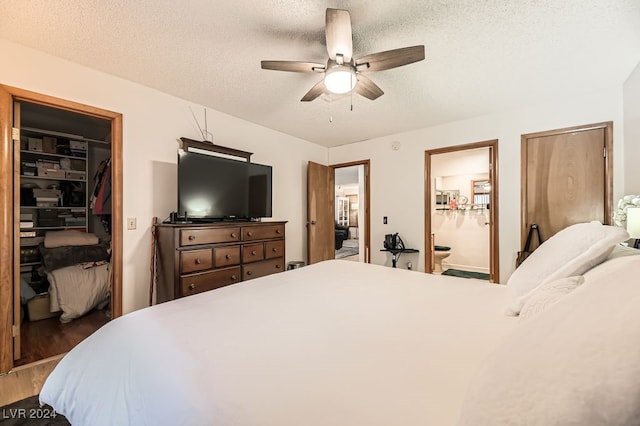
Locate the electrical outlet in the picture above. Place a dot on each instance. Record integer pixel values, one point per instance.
(384, 220)
(131, 223)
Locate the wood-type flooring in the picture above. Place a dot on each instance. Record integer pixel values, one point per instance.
(48, 337)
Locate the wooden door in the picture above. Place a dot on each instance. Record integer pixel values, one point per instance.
(15, 134)
(6, 234)
(566, 178)
(320, 213)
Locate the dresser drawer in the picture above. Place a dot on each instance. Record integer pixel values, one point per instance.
(252, 252)
(226, 256)
(260, 269)
(197, 283)
(262, 232)
(191, 237)
(195, 260)
(273, 249)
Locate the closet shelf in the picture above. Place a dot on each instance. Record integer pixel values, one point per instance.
(50, 178)
(74, 208)
(61, 134)
(57, 228)
(51, 154)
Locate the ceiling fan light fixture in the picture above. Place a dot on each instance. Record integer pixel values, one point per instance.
(344, 73)
(341, 79)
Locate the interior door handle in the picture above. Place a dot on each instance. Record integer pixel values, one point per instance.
(313, 222)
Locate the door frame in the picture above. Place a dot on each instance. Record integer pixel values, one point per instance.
(367, 202)
(9, 262)
(494, 225)
(608, 169)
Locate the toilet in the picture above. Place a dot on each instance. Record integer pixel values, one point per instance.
(439, 253)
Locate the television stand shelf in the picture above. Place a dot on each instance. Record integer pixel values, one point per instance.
(193, 258)
(397, 252)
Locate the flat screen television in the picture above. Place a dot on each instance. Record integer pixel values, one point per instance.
(212, 188)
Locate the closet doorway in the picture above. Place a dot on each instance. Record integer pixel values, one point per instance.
(48, 152)
(461, 205)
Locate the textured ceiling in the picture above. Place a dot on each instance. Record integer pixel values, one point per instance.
(481, 55)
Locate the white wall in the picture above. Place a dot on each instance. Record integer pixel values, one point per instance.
(631, 94)
(465, 231)
(397, 176)
(152, 122)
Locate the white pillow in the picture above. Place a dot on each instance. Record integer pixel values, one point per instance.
(578, 364)
(572, 251)
(549, 293)
(620, 250)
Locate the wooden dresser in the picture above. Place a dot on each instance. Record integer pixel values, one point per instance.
(193, 258)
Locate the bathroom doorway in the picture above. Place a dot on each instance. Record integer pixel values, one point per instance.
(461, 201)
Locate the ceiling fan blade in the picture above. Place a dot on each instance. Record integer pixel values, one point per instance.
(315, 91)
(390, 59)
(338, 34)
(293, 66)
(367, 88)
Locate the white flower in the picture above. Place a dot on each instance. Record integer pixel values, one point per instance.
(620, 215)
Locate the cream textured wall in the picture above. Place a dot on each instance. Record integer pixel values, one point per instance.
(631, 90)
(397, 176)
(152, 122)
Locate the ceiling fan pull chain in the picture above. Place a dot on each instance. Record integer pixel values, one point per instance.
(351, 94)
(330, 112)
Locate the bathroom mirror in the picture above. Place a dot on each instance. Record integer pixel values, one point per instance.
(481, 189)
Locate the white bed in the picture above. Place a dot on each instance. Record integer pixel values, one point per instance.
(345, 343)
(336, 343)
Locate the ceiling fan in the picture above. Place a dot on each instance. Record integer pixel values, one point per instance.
(342, 72)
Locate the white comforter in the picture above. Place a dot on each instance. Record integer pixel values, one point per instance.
(336, 343)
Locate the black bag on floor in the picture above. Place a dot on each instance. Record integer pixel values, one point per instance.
(526, 250)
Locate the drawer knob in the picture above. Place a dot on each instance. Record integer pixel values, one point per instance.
(249, 273)
(192, 286)
(278, 266)
(228, 256)
(198, 261)
(253, 252)
(192, 237)
(233, 235)
(274, 249)
(233, 278)
(249, 233)
(278, 231)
